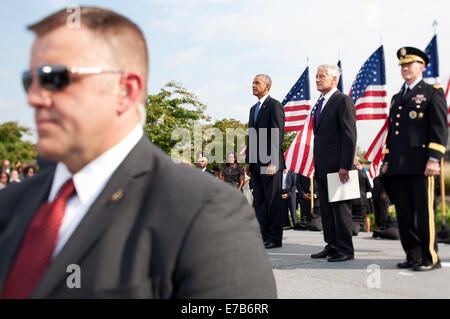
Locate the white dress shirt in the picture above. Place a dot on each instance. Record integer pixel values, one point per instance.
(412, 85)
(89, 182)
(263, 99)
(326, 98)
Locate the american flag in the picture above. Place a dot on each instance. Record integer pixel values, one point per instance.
(368, 91)
(340, 85)
(299, 155)
(376, 150)
(297, 103)
(431, 73)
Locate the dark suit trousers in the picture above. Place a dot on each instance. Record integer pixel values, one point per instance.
(305, 207)
(268, 204)
(336, 221)
(414, 198)
(291, 203)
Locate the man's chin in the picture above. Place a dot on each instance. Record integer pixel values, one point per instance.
(48, 150)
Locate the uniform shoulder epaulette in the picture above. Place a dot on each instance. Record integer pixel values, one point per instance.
(437, 86)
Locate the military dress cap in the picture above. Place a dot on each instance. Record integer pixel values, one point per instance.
(410, 54)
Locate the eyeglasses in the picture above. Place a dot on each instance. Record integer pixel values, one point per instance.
(54, 77)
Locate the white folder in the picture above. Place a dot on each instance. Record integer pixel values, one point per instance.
(338, 191)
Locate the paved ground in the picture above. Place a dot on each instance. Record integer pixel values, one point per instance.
(372, 274)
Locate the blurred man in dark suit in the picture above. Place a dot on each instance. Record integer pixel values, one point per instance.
(116, 218)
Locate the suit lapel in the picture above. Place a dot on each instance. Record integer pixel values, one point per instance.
(97, 218)
(328, 106)
(20, 219)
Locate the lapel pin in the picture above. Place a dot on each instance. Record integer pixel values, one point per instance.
(117, 196)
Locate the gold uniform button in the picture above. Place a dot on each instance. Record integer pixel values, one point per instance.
(424, 146)
(418, 106)
(397, 124)
(398, 116)
(400, 107)
(397, 132)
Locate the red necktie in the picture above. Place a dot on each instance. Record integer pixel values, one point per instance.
(37, 246)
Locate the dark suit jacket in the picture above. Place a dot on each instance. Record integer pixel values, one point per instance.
(271, 115)
(162, 239)
(335, 136)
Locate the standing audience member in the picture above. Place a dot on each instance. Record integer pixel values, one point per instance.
(29, 171)
(14, 177)
(264, 160)
(289, 199)
(234, 173)
(360, 206)
(203, 164)
(6, 166)
(247, 190)
(334, 126)
(4, 179)
(310, 215)
(113, 197)
(416, 142)
(218, 172)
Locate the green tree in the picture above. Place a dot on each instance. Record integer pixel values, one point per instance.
(232, 136)
(12, 147)
(172, 108)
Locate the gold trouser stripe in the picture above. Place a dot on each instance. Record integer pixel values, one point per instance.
(437, 147)
(431, 225)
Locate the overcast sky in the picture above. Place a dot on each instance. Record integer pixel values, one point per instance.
(215, 47)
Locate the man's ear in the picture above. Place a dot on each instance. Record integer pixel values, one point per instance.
(131, 88)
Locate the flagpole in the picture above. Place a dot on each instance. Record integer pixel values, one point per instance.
(435, 25)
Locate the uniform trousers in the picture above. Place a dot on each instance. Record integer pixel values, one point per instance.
(414, 205)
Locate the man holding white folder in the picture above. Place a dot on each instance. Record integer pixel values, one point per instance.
(334, 129)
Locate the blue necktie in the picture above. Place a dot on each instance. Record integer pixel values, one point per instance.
(257, 110)
(319, 109)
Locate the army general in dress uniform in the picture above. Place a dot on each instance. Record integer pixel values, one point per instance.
(415, 145)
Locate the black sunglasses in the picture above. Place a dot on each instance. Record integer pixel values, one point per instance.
(54, 77)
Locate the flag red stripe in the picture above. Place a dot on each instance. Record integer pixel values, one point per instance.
(371, 105)
(295, 118)
(297, 108)
(375, 93)
(292, 128)
(371, 117)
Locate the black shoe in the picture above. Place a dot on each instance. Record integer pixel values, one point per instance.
(340, 257)
(427, 266)
(324, 253)
(270, 245)
(408, 264)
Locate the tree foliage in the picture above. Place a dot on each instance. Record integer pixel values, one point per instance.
(173, 107)
(12, 147)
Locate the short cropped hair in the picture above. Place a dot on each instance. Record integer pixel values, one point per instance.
(332, 70)
(266, 79)
(125, 38)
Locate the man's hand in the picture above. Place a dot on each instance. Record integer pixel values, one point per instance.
(307, 196)
(247, 169)
(284, 196)
(432, 169)
(271, 169)
(343, 175)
